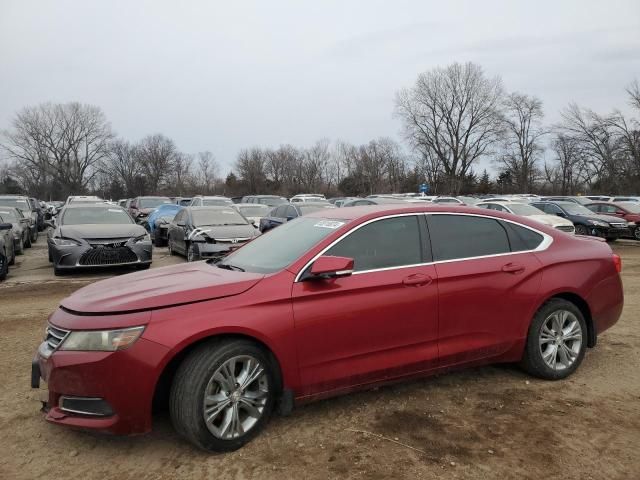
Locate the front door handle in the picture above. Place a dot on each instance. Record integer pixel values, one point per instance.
(417, 280)
(513, 268)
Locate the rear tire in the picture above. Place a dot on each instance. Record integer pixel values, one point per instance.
(556, 342)
(27, 241)
(169, 247)
(20, 248)
(4, 266)
(193, 253)
(34, 237)
(209, 382)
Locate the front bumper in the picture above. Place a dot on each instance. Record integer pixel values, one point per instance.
(113, 390)
(87, 256)
(608, 232)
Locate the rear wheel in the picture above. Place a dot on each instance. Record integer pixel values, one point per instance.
(557, 340)
(27, 240)
(223, 394)
(582, 230)
(34, 236)
(20, 247)
(170, 247)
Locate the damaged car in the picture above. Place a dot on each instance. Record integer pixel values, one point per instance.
(20, 230)
(208, 232)
(98, 235)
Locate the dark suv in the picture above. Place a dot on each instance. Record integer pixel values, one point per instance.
(586, 221)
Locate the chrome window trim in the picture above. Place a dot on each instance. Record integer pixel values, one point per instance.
(547, 240)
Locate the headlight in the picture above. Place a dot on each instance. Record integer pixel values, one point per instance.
(142, 214)
(103, 341)
(598, 223)
(65, 242)
(142, 238)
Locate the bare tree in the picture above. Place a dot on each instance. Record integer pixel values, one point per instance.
(250, 166)
(63, 141)
(123, 163)
(597, 142)
(569, 172)
(454, 114)
(523, 133)
(208, 171)
(157, 155)
(634, 94)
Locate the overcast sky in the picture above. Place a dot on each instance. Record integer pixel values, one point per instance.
(221, 76)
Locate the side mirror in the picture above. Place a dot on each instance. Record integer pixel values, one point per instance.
(6, 226)
(560, 214)
(331, 267)
(289, 219)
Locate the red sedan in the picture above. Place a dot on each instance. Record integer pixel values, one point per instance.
(335, 301)
(630, 211)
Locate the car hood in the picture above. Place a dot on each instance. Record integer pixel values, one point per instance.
(605, 218)
(551, 220)
(228, 231)
(159, 288)
(102, 231)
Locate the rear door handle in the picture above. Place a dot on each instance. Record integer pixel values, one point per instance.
(513, 268)
(417, 280)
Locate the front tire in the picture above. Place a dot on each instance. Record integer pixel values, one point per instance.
(223, 394)
(557, 340)
(27, 241)
(193, 254)
(636, 233)
(34, 237)
(170, 247)
(582, 230)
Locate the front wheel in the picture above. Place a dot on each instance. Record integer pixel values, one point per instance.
(557, 340)
(193, 254)
(582, 230)
(34, 236)
(223, 394)
(636, 233)
(170, 247)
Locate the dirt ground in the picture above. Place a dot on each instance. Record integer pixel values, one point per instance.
(493, 422)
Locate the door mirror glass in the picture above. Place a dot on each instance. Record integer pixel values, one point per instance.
(331, 267)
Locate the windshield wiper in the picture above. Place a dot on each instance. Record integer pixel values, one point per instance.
(228, 266)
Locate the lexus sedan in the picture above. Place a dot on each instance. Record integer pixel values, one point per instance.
(208, 232)
(628, 211)
(331, 302)
(97, 235)
(585, 221)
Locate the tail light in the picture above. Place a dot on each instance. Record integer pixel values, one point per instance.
(617, 261)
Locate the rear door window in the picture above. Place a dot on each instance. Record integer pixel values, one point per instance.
(462, 236)
(390, 242)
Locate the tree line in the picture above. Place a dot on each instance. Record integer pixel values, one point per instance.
(451, 118)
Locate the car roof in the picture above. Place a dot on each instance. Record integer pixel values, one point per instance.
(240, 205)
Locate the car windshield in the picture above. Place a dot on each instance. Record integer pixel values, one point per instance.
(633, 207)
(304, 209)
(254, 211)
(152, 202)
(14, 202)
(9, 215)
(523, 209)
(95, 215)
(217, 217)
(575, 209)
(272, 201)
(282, 246)
(216, 202)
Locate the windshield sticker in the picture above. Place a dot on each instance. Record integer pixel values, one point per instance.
(329, 224)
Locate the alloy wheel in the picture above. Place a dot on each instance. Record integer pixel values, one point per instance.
(581, 230)
(235, 397)
(636, 233)
(560, 339)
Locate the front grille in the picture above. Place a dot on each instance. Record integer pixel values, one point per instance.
(231, 241)
(55, 336)
(566, 228)
(107, 255)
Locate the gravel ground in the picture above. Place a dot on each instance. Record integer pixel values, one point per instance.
(492, 422)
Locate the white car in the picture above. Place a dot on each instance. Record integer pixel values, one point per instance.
(308, 197)
(526, 210)
(252, 211)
